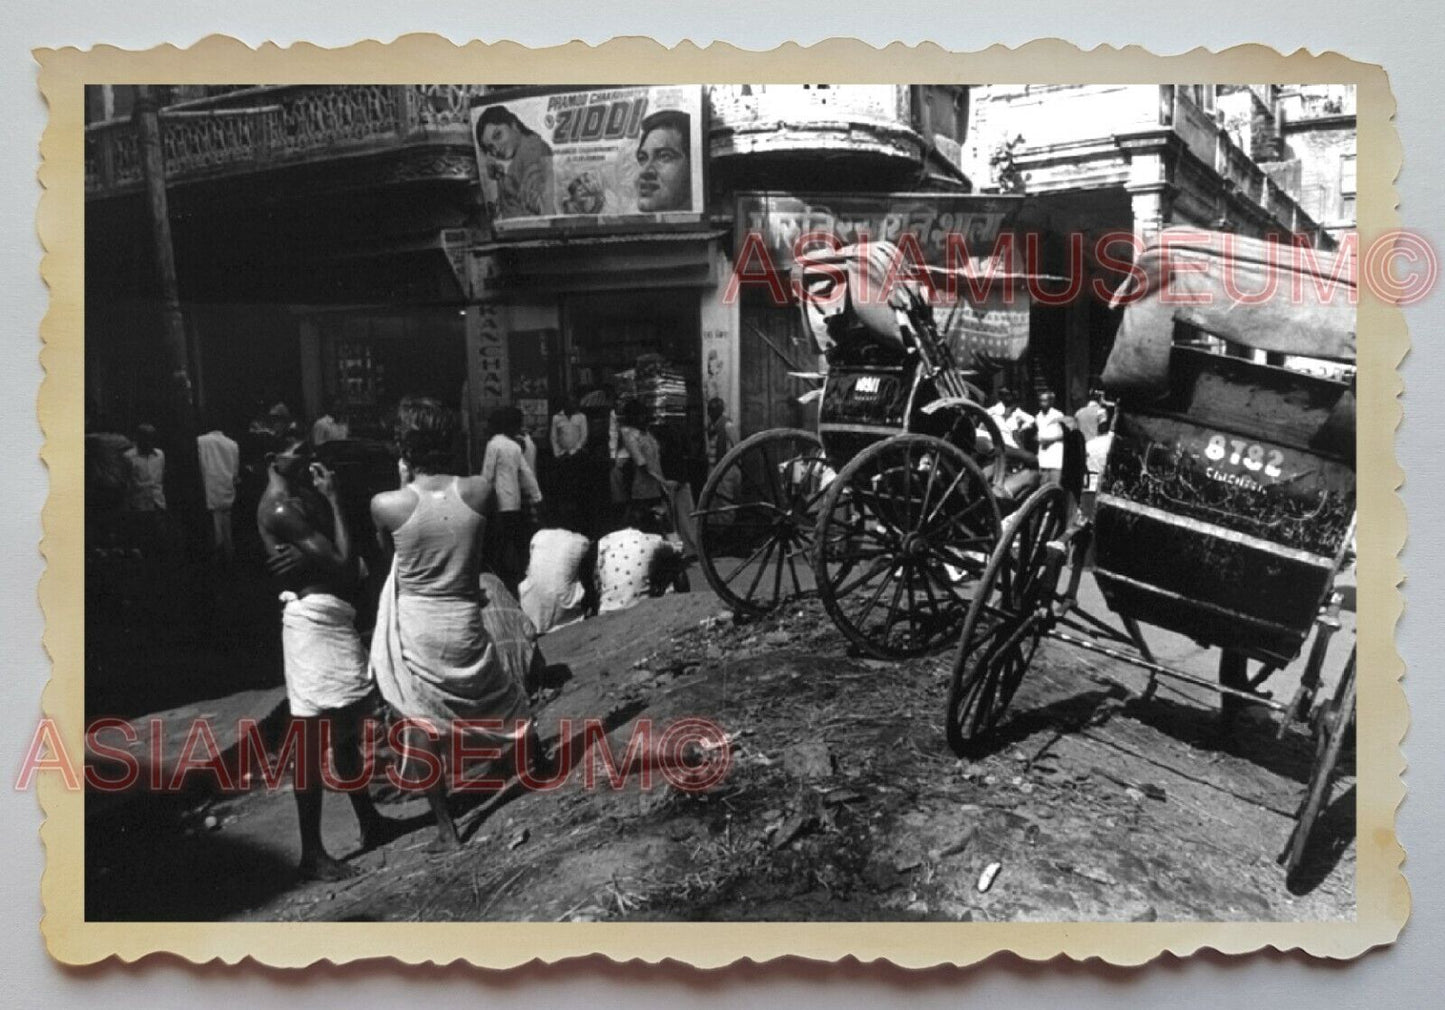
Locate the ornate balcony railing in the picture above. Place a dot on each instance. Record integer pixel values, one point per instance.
(254, 129)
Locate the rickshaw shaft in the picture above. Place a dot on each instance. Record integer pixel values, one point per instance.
(1165, 671)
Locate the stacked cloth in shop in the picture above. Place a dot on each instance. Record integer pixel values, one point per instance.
(661, 388)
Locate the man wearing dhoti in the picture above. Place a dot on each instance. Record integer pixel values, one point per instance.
(431, 655)
(512, 633)
(554, 593)
(327, 681)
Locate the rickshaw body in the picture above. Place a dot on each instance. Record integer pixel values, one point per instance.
(871, 393)
(886, 511)
(1224, 513)
(863, 404)
(1225, 507)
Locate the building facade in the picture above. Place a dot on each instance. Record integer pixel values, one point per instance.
(1318, 130)
(351, 244)
(1097, 160)
(571, 304)
(318, 236)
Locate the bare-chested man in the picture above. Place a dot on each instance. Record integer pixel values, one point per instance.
(327, 677)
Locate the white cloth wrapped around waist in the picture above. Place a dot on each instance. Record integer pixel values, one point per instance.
(434, 661)
(513, 635)
(325, 663)
(551, 595)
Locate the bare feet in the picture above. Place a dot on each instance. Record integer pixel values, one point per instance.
(380, 830)
(443, 842)
(545, 766)
(323, 866)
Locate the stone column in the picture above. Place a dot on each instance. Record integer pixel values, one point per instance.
(313, 383)
(1151, 193)
(720, 327)
(173, 330)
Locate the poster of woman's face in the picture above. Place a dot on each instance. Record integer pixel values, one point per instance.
(499, 140)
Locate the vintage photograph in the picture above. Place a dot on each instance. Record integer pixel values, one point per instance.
(720, 503)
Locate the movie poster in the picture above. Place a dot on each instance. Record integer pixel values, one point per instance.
(597, 157)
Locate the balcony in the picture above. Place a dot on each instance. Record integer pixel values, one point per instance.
(796, 118)
(1091, 137)
(256, 129)
(1318, 101)
(262, 128)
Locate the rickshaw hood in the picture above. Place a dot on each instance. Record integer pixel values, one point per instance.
(1272, 297)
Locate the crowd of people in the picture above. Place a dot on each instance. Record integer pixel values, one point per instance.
(454, 575)
(468, 570)
(473, 580)
(1037, 445)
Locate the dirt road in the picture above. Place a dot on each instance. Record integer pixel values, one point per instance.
(842, 801)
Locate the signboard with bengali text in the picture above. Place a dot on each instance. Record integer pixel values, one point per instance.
(984, 331)
(782, 218)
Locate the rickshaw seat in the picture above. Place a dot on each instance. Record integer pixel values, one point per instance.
(1015, 487)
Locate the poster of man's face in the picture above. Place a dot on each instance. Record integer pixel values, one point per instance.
(664, 163)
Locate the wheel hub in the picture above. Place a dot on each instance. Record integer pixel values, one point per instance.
(913, 546)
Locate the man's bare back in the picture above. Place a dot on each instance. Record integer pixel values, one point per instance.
(308, 550)
(305, 544)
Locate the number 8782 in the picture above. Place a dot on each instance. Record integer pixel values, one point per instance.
(1239, 452)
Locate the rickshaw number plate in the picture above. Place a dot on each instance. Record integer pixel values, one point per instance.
(1234, 460)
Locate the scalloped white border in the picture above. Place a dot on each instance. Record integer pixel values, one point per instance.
(1382, 897)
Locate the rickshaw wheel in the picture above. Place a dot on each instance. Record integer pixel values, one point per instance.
(958, 423)
(755, 519)
(903, 532)
(1332, 726)
(1005, 621)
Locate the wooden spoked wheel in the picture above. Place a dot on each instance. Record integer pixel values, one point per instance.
(903, 534)
(1006, 619)
(1332, 725)
(756, 516)
(973, 429)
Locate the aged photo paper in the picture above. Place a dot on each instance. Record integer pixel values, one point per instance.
(515, 504)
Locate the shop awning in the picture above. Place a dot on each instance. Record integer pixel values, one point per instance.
(641, 260)
(591, 241)
(1272, 297)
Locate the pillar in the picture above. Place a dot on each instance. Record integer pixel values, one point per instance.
(313, 386)
(1151, 194)
(488, 375)
(719, 329)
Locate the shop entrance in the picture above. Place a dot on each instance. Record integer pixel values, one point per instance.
(370, 361)
(774, 343)
(608, 335)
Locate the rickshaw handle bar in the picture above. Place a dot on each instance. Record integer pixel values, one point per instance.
(1165, 671)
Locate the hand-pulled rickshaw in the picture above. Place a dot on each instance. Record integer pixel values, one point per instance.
(889, 511)
(1225, 510)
